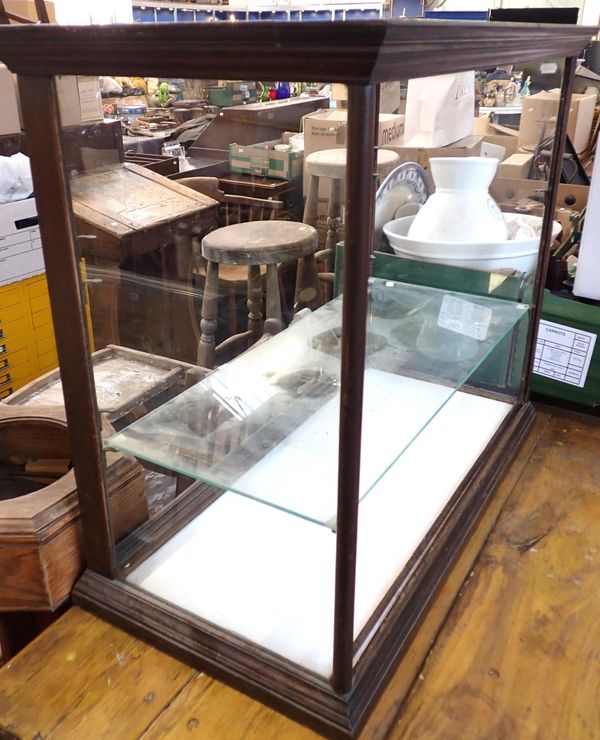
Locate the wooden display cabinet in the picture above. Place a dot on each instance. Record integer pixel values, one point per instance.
(311, 593)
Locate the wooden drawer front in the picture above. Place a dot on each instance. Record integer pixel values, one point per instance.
(37, 286)
(15, 328)
(10, 295)
(41, 318)
(12, 313)
(48, 362)
(40, 303)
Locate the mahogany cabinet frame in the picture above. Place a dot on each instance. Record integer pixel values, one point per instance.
(361, 54)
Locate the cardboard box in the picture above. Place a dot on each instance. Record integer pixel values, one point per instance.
(541, 110)
(508, 143)
(26, 9)
(79, 99)
(389, 96)
(470, 146)
(328, 130)
(9, 111)
(263, 160)
(517, 165)
(482, 126)
(510, 192)
(20, 241)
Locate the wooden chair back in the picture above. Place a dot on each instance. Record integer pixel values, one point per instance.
(235, 209)
(240, 208)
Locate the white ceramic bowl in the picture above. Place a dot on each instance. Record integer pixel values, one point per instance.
(516, 254)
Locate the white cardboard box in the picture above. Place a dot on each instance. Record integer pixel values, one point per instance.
(20, 242)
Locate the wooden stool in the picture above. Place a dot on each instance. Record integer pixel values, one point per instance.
(331, 163)
(256, 243)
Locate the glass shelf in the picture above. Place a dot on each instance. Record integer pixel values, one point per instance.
(266, 425)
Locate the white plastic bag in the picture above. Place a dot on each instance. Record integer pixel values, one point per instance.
(439, 110)
(15, 178)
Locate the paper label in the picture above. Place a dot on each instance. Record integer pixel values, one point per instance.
(89, 99)
(464, 317)
(563, 353)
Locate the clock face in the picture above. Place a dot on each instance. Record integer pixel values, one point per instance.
(402, 192)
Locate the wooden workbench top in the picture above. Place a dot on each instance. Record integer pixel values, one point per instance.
(518, 656)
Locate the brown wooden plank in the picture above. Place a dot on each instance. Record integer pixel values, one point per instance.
(214, 710)
(388, 706)
(84, 678)
(518, 656)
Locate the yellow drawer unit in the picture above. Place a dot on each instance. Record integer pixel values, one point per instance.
(24, 311)
(27, 345)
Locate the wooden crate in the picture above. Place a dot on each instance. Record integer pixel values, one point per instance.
(40, 533)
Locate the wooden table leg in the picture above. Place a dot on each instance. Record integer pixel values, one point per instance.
(208, 323)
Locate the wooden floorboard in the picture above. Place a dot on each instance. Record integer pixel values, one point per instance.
(517, 657)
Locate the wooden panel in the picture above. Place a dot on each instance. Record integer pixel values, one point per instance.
(519, 655)
(87, 679)
(367, 51)
(217, 711)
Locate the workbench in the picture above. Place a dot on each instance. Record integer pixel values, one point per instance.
(516, 656)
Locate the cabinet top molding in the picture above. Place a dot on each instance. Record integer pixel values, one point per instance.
(349, 51)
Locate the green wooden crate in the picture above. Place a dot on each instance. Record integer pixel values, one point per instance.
(576, 317)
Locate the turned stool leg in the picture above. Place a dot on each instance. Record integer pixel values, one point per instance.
(334, 215)
(310, 208)
(208, 322)
(255, 317)
(274, 320)
(307, 284)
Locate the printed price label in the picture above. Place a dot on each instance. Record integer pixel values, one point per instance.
(563, 353)
(464, 317)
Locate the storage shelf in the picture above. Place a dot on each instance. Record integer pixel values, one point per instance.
(275, 409)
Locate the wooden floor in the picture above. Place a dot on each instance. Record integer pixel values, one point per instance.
(518, 656)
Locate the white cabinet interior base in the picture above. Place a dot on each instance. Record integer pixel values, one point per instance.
(268, 575)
